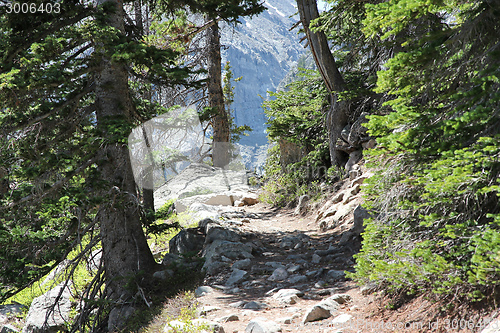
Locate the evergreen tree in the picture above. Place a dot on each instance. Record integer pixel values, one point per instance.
(66, 110)
(220, 121)
(435, 200)
(338, 115)
(300, 156)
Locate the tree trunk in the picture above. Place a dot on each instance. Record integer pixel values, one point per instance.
(148, 180)
(220, 123)
(138, 17)
(124, 245)
(4, 182)
(337, 116)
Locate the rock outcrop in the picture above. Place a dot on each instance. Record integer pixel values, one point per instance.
(49, 313)
(344, 208)
(200, 185)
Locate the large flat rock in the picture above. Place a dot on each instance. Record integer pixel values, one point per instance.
(201, 179)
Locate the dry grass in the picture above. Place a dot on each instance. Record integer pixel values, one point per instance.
(182, 307)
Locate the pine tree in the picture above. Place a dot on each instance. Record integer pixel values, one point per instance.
(338, 115)
(220, 121)
(66, 110)
(439, 146)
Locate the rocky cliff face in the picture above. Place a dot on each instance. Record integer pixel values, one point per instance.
(262, 50)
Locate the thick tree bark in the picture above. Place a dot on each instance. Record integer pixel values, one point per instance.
(125, 249)
(220, 123)
(337, 116)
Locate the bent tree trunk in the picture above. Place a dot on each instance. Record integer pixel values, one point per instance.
(338, 115)
(220, 122)
(124, 245)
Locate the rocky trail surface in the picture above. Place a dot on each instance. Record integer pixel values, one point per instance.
(276, 270)
(284, 270)
(295, 281)
(268, 270)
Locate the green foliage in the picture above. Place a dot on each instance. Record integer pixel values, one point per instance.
(160, 217)
(436, 196)
(80, 278)
(165, 211)
(182, 308)
(358, 56)
(174, 33)
(50, 144)
(296, 115)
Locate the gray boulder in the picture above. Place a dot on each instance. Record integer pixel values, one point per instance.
(360, 214)
(262, 325)
(203, 290)
(340, 298)
(171, 258)
(290, 242)
(12, 310)
(297, 279)
(242, 264)
(341, 320)
(279, 274)
(200, 179)
(288, 296)
(218, 248)
(49, 312)
(199, 211)
(321, 310)
(236, 276)
(253, 305)
(228, 318)
(334, 275)
(56, 273)
(212, 199)
(218, 232)
(187, 240)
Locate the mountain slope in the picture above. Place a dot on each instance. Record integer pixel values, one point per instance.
(262, 50)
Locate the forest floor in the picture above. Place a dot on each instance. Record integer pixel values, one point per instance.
(371, 312)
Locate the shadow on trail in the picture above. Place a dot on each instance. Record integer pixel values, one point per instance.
(308, 260)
